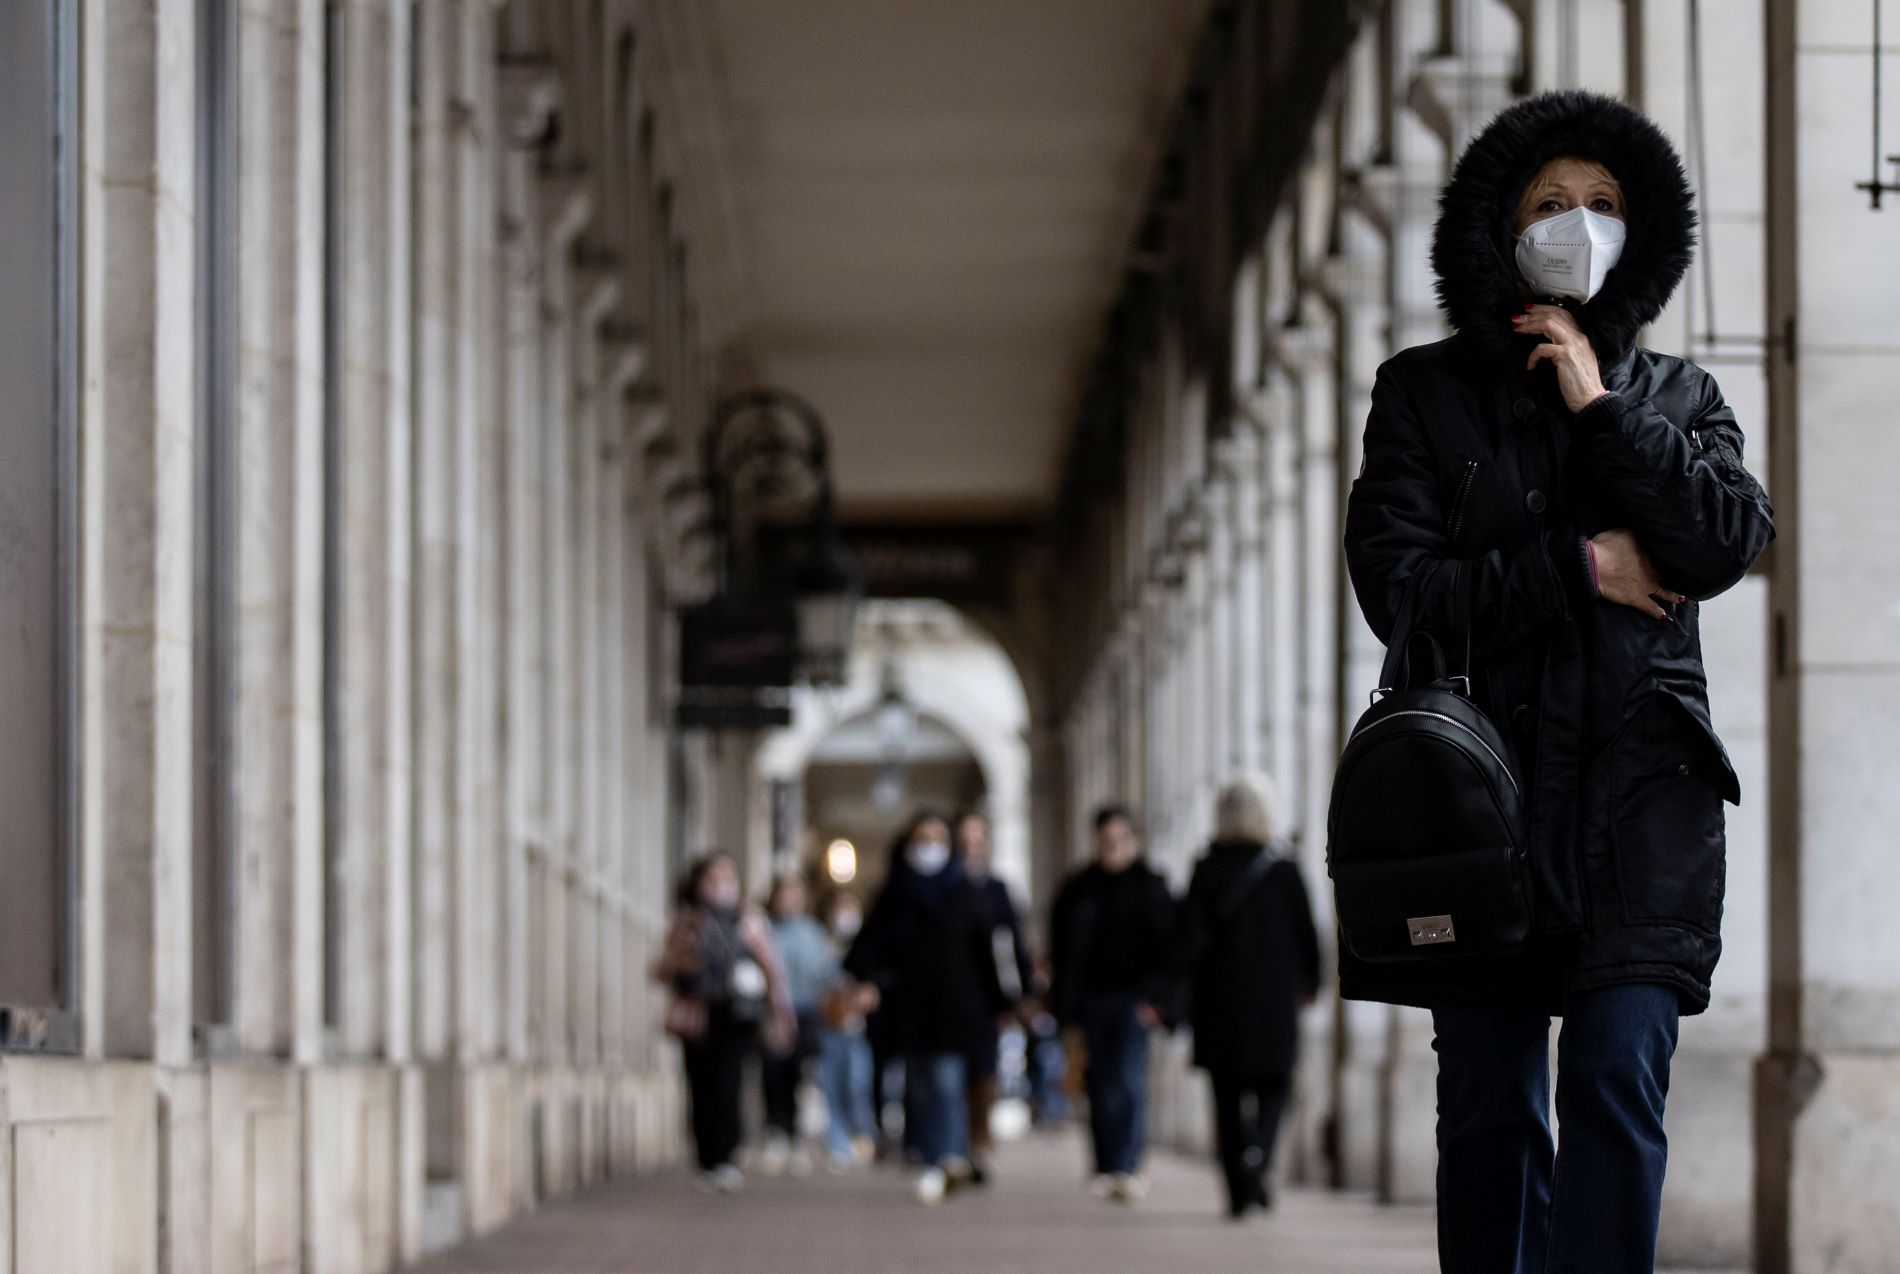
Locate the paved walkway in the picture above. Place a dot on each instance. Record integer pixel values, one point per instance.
(1035, 1220)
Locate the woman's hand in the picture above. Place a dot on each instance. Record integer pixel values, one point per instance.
(1567, 349)
(1626, 576)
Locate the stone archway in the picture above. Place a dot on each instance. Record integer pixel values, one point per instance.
(950, 670)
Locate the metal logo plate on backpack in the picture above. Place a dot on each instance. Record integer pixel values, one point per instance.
(1427, 930)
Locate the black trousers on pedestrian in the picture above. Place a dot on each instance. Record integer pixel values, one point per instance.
(780, 1077)
(1247, 1113)
(715, 1074)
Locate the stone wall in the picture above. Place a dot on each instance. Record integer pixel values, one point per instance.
(387, 358)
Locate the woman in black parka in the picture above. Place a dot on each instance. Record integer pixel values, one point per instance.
(925, 947)
(1592, 494)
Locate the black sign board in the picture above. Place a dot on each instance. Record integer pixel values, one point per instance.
(730, 646)
(731, 711)
(964, 565)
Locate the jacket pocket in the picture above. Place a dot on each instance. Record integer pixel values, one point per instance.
(1668, 778)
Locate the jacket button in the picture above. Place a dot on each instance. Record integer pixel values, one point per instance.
(1683, 769)
(1535, 502)
(1523, 409)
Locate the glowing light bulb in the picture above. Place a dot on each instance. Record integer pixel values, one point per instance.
(841, 861)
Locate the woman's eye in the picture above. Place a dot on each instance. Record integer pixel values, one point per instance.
(1604, 205)
(1550, 205)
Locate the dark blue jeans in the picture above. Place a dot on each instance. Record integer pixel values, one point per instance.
(933, 1095)
(1117, 1079)
(1511, 1202)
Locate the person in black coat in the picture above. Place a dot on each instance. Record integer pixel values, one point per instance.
(1014, 975)
(926, 950)
(1109, 932)
(1249, 958)
(1588, 494)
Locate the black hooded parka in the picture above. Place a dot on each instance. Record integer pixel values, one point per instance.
(1475, 467)
(926, 946)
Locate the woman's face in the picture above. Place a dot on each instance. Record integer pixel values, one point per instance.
(1568, 183)
(719, 886)
(931, 830)
(790, 900)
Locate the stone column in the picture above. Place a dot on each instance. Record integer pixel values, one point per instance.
(439, 423)
(565, 210)
(529, 94)
(274, 775)
(1827, 1109)
(137, 326)
(475, 366)
(1240, 461)
(372, 500)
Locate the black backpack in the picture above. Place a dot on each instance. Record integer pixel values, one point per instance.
(1425, 839)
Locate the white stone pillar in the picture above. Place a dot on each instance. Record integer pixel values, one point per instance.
(372, 501)
(138, 207)
(475, 367)
(528, 94)
(439, 425)
(274, 775)
(1246, 607)
(1827, 1113)
(565, 211)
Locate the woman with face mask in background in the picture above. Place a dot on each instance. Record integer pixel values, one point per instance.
(727, 986)
(1541, 486)
(844, 1054)
(926, 949)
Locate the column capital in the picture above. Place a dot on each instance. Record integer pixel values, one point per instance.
(624, 348)
(1454, 96)
(1300, 348)
(567, 205)
(529, 92)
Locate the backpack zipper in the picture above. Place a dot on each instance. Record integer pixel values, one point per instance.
(1439, 716)
(1460, 500)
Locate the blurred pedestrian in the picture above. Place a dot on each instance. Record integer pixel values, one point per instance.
(811, 967)
(925, 948)
(1249, 959)
(1108, 940)
(844, 1054)
(727, 986)
(1014, 977)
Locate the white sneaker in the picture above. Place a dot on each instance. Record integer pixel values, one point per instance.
(773, 1156)
(1127, 1187)
(1101, 1185)
(727, 1179)
(931, 1184)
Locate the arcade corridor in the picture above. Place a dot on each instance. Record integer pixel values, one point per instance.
(465, 459)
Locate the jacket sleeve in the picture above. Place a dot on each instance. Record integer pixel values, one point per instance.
(1159, 987)
(1188, 949)
(1305, 932)
(868, 959)
(1061, 938)
(1701, 517)
(1019, 949)
(1395, 532)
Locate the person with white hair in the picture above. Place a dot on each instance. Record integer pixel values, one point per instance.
(1248, 959)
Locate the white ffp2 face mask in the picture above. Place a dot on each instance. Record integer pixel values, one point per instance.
(928, 857)
(1570, 254)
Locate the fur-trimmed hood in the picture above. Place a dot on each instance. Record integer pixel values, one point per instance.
(1473, 246)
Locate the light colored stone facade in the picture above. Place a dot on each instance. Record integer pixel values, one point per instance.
(462, 344)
